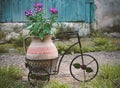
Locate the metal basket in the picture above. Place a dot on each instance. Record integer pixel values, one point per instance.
(47, 64)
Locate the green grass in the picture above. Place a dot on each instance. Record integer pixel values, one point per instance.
(110, 72)
(9, 77)
(88, 45)
(109, 77)
(2, 35)
(105, 44)
(97, 42)
(5, 47)
(99, 84)
(16, 44)
(56, 84)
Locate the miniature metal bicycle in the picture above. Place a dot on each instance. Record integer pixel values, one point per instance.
(83, 67)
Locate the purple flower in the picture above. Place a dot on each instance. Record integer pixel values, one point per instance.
(38, 9)
(38, 5)
(54, 10)
(29, 13)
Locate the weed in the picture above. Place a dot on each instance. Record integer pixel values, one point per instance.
(98, 33)
(99, 83)
(56, 84)
(110, 72)
(105, 44)
(2, 35)
(8, 76)
(88, 45)
(5, 47)
(108, 77)
(98, 44)
(18, 42)
(100, 41)
(20, 49)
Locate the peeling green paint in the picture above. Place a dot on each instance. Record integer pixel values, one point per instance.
(69, 10)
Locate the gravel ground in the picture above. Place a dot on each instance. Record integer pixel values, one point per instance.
(64, 74)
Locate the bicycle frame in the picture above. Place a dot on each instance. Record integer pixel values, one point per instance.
(80, 47)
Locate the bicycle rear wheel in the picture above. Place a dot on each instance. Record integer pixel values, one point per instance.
(84, 69)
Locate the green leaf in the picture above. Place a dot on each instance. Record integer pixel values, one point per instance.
(41, 35)
(89, 69)
(47, 30)
(77, 65)
(28, 26)
(44, 77)
(72, 52)
(32, 76)
(62, 52)
(36, 25)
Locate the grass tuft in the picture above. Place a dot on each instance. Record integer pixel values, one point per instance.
(109, 77)
(8, 76)
(110, 72)
(56, 84)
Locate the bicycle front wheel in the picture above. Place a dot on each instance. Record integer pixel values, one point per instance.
(84, 69)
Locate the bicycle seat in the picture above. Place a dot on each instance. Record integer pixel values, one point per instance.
(72, 32)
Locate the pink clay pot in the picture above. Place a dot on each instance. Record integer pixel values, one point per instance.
(41, 49)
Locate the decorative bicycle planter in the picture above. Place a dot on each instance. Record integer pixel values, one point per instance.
(83, 67)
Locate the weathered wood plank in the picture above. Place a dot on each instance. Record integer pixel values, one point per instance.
(89, 11)
(6, 10)
(0, 9)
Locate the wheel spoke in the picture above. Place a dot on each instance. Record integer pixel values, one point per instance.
(89, 62)
(84, 75)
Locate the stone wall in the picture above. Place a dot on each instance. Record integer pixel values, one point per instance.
(17, 27)
(107, 14)
(11, 30)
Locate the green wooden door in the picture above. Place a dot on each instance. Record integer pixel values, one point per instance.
(69, 10)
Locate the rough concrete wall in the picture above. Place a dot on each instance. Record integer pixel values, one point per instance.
(107, 14)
